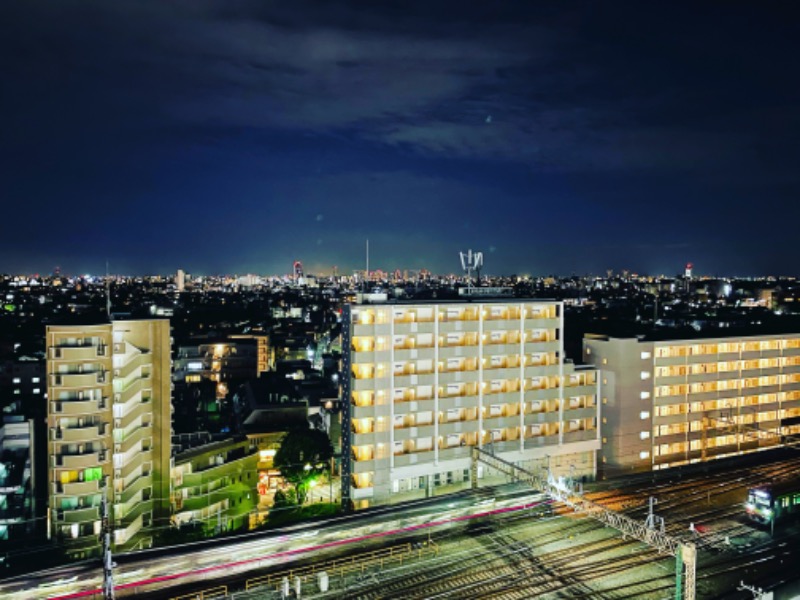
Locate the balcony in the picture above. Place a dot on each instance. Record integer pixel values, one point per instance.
(361, 493)
(501, 324)
(540, 441)
(580, 390)
(80, 488)
(141, 460)
(502, 422)
(78, 407)
(136, 362)
(570, 437)
(580, 413)
(77, 380)
(77, 461)
(132, 514)
(470, 401)
(79, 434)
(413, 458)
(407, 327)
(541, 418)
(421, 405)
(670, 438)
(678, 379)
(670, 419)
(541, 346)
(364, 439)
(132, 411)
(542, 394)
(448, 326)
(131, 439)
(454, 452)
(141, 483)
(499, 349)
(77, 353)
(365, 466)
(362, 412)
(421, 431)
(543, 322)
(132, 389)
(666, 361)
(78, 515)
(541, 370)
(690, 378)
(462, 426)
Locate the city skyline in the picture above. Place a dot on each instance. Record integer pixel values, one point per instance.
(556, 139)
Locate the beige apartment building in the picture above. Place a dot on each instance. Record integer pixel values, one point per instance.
(426, 381)
(109, 427)
(675, 402)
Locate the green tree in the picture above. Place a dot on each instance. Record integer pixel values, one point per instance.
(304, 455)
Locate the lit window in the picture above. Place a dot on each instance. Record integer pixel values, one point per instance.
(605, 361)
(646, 355)
(645, 414)
(17, 392)
(36, 390)
(34, 380)
(643, 435)
(588, 351)
(644, 395)
(644, 454)
(15, 380)
(645, 374)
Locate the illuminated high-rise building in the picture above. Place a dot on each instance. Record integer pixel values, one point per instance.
(673, 402)
(109, 425)
(426, 381)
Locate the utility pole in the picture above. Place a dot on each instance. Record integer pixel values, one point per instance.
(108, 563)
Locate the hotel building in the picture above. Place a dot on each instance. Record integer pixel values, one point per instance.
(675, 402)
(426, 381)
(109, 425)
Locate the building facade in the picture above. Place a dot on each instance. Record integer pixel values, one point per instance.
(235, 358)
(674, 402)
(425, 382)
(109, 425)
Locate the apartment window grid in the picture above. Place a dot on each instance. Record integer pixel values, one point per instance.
(485, 386)
(741, 398)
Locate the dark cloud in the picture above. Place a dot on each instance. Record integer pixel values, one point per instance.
(597, 119)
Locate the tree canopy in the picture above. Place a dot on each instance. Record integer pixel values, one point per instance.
(303, 456)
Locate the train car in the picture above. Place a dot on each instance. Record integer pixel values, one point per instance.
(772, 502)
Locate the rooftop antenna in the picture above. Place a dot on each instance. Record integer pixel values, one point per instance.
(108, 294)
(471, 261)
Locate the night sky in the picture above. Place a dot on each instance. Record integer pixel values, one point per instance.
(557, 137)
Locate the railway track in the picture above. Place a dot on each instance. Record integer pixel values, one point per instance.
(560, 554)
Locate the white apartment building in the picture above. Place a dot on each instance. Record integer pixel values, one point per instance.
(109, 426)
(674, 402)
(426, 381)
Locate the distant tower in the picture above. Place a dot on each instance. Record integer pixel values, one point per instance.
(180, 280)
(688, 272)
(471, 261)
(297, 270)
